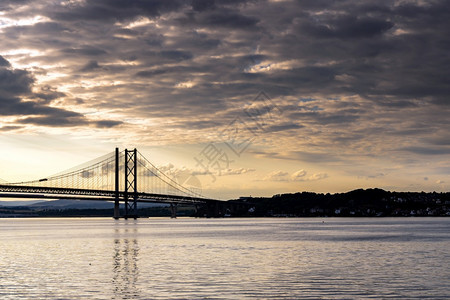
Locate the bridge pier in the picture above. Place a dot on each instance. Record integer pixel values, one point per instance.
(117, 187)
(173, 210)
(116, 209)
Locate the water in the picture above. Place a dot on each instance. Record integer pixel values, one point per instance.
(225, 258)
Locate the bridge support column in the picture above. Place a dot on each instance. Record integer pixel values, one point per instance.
(116, 183)
(116, 210)
(173, 210)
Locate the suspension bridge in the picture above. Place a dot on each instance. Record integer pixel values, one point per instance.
(121, 177)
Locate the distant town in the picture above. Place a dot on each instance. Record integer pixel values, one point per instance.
(357, 203)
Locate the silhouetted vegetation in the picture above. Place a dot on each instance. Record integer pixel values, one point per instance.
(364, 203)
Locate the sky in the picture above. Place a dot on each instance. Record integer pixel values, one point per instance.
(250, 97)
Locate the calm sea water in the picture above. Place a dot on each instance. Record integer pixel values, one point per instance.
(225, 258)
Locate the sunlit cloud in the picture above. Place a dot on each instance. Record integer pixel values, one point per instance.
(185, 84)
(7, 22)
(300, 175)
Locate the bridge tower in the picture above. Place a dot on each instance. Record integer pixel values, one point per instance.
(117, 187)
(131, 184)
(130, 194)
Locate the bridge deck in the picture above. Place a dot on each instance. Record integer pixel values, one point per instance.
(15, 191)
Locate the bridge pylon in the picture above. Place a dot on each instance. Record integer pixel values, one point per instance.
(117, 187)
(130, 194)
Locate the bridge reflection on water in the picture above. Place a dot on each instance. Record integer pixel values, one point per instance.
(125, 263)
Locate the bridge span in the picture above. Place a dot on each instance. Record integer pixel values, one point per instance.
(120, 177)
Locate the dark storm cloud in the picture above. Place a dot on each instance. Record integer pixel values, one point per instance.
(313, 157)
(47, 94)
(337, 117)
(14, 82)
(61, 118)
(17, 84)
(9, 128)
(346, 26)
(47, 116)
(441, 140)
(282, 127)
(200, 124)
(86, 50)
(150, 73)
(107, 123)
(377, 46)
(55, 121)
(427, 150)
(175, 55)
(4, 62)
(223, 18)
(105, 10)
(90, 66)
(6, 5)
(202, 5)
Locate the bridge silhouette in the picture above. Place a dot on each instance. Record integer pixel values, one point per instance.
(121, 177)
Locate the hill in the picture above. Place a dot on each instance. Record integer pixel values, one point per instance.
(20, 203)
(360, 202)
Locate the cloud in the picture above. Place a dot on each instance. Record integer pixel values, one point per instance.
(14, 82)
(47, 94)
(171, 170)
(17, 98)
(109, 11)
(71, 119)
(238, 171)
(90, 66)
(107, 123)
(427, 150)
(345, 26)
(317, 176)
(282, 127)
(373, 175)
(322, 157)
(9, 128)
(84, 51)
(277, 176)
(150, 73)
(6, 5)
(4, 62)
(223, 18)
(299, 175)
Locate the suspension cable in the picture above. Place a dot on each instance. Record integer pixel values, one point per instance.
(175, 185)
